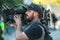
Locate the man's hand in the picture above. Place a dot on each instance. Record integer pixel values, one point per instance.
(19, 34)
(17, 19)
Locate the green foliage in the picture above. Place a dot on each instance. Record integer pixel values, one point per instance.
(1, 2)
(10, 3)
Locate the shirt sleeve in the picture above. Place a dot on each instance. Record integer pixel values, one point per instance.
(33, 32)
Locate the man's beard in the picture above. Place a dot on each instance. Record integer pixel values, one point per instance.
(30, 19)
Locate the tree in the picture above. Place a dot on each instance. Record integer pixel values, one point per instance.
(1, 2)
(10, 3)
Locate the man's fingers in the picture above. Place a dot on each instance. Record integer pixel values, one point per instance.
(17, 19)
(17, 16)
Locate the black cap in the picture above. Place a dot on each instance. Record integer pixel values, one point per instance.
(37, 8)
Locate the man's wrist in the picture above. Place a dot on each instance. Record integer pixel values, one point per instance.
(18, 27)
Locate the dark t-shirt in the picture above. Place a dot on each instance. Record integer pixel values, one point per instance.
(33, 31)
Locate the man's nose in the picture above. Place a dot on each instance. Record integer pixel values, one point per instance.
(26, 12)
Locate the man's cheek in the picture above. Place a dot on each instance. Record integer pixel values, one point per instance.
(28, 17)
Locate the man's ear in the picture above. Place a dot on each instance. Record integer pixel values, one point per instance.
(36, 14)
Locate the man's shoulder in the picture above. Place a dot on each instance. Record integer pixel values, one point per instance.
(34, 31)
(36, 23)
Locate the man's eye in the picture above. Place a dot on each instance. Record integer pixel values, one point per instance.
(29, 11)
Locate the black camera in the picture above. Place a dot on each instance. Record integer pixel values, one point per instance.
(8, 13)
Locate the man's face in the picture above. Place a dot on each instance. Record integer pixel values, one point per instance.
(29, 15)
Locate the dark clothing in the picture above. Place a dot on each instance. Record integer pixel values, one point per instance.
(34, 31)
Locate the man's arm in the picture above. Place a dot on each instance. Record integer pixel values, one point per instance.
(32, 32)
(19, 34)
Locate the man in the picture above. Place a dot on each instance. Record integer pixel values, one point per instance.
(34, 31)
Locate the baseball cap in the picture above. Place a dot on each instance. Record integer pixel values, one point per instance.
(37, 8)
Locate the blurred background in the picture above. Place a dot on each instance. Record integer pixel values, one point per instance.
(52, 5)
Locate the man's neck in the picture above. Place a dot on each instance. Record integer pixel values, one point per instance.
(35, 19)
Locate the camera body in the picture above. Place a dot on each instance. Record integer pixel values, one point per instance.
(8, 14)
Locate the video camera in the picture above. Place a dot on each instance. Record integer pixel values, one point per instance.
(9, 13)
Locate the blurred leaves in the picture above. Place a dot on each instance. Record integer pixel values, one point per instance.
(10, 3)
(1, 2)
